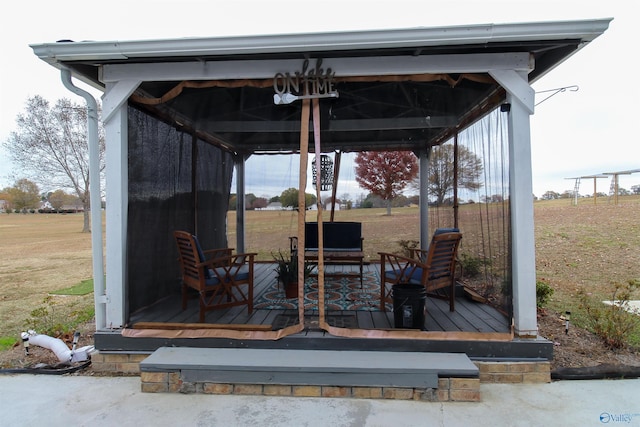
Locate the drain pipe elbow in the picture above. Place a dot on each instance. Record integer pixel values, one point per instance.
(59, 348)
(95, 200)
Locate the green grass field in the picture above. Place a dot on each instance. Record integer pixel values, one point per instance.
(588, 246)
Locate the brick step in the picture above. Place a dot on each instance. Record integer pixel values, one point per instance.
(201, 369)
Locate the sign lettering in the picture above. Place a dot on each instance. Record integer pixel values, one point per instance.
(314, 82)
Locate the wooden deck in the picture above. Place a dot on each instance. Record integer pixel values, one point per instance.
(468, 316)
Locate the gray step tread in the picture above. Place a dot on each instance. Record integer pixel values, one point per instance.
(309, 361)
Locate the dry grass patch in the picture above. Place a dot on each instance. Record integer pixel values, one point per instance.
(587, 248)
(40, 253)
(578, 248)
(269, 231)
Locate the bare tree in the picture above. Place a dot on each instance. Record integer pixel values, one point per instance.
(441, 171)
(51, 146)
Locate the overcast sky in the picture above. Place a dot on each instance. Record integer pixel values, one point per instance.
(575, 133)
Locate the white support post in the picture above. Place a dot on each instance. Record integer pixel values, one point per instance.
(423, 158)
(117, 196)
(240, 203)
(523, 255)
(116, 214)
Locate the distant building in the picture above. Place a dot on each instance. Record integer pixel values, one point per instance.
(327, 206)
(274, 206)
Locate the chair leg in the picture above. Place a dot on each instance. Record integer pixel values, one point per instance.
(385, 297)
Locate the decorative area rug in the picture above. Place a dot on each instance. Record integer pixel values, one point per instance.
(341, 293)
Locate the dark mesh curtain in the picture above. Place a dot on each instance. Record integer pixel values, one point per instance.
(176, 182)
(483, 213)
(214, 171)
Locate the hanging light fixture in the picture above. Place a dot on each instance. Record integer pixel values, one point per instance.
(326, 173)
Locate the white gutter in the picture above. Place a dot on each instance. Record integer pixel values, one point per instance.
(584, 30)
(95, 201)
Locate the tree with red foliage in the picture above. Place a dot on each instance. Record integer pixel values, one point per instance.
(385, 173)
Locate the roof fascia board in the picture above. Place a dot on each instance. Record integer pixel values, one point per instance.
(345, 147)
(343, 67)
(585, 30)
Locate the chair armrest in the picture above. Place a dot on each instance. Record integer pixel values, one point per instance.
(228, 261)
(216, 253)
(389, 257)
(244, 258)
(231, 269)
(218, 256)
(404, 268)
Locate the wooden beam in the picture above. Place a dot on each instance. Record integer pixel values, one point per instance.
(358, 125)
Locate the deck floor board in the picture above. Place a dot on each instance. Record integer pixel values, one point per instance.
(469, 316)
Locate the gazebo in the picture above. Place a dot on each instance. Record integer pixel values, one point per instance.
(183, 115)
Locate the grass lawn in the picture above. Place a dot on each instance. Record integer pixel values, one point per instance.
(588, 246)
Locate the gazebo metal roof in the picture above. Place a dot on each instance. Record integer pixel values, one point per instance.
(406, 89)
(398, 89)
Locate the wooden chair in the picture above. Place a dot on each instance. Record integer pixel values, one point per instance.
(433, 268)
(221, 278)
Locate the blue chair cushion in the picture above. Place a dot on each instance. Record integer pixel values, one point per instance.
(445, 230)
(211, 281)
(411, 275)
(416, 274)
(241, 274)
(208, 274)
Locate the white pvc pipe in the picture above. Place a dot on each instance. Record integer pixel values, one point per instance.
(64, 354)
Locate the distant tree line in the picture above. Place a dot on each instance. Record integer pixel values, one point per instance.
(288, 198)
(569, 194)
(25, 196)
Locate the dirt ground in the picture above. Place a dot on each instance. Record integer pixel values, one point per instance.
(37, 357)
(579, 348)
(575, 349)
(577, 247)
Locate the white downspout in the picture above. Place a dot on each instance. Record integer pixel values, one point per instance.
(95, 201)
